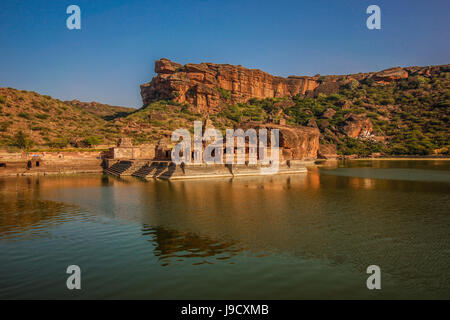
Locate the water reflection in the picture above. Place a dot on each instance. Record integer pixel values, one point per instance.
(340, 216)
(171, 246)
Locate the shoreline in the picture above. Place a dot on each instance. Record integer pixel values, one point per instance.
(446, 158)
(91, 163)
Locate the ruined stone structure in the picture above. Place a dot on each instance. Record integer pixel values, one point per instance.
(48, 163)
(126, 150)
(298, 146)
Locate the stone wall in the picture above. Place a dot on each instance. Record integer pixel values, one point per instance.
(42, 163)
(141, 152)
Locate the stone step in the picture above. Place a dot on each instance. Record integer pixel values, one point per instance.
(154, 170)
(125, 168)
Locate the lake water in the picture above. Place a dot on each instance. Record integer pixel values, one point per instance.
(275, 237)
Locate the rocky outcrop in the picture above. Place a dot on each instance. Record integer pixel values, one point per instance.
(208, 86)
(327, 151)
(391, 74)
(296, 143)
(358, 127)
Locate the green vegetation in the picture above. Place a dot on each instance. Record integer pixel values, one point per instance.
(411, 115)
(225, 94)
(42, 116)
(21, 140)
(92, 141)
(241, 112)
(59, 143)
(24, 115)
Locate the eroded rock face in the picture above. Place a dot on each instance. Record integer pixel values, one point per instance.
(327, 151)
(207, 86)
(391, 74)
(296, 143)
(358, 127)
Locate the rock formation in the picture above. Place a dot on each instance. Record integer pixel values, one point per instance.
(300, 143)
(208, 86)
(358, 127)
(327, 151)
(391, 74)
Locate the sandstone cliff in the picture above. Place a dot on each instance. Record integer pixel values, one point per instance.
(208, 87)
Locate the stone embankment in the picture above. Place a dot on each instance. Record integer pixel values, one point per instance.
(49, 163)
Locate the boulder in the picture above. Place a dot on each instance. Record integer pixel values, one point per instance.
(296, 143)
(327, 151)
(391, 74)
(358, 127)
(329, 113)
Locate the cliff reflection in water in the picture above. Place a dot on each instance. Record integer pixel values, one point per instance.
(340, 217)
(343, 220)
(171, 246)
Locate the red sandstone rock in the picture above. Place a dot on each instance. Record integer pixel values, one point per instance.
(198, 84)
(297, 143)
(391, 74)
(209, 86)
(358, 126)
(327, 151)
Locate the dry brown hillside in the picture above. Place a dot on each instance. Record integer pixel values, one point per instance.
(50, 122)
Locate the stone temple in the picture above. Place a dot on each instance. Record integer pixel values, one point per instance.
(298, 147)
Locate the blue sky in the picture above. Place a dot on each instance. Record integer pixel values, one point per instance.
(114, 52)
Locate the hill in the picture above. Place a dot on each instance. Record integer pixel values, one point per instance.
(398, 111)
(47, 122)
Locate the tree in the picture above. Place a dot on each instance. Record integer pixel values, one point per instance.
(21, 140)
(59, 143)
(92, 140)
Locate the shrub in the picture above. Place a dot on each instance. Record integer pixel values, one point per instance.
(4, 126)
(92, 141)
(42, 116)
(59, 143)
(21, 140)
(233, 113)
(24, 115)
(225, 94)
